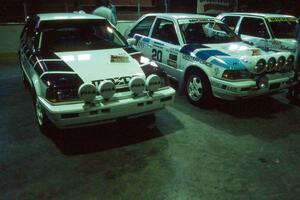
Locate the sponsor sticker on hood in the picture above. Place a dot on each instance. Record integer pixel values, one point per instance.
(119, 59)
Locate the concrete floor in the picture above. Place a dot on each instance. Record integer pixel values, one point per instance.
(238, 150)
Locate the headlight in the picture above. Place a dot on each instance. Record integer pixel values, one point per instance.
(280, 63)
(271, 64)
(289, 64)
(236, 74)
(56, 95)
(260, 66)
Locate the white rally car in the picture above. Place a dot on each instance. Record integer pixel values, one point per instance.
(81, 71)
(208, 59)
(274, 32)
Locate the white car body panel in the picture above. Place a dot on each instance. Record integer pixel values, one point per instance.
(96, 64)
(213, 59)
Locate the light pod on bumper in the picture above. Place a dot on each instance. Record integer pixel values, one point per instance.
(289, 64)
(262, 82)
(107, 89)
(137, 85)
(260, 66)
(87, 92)
(280, 63)
(271, 64)
(153, 83)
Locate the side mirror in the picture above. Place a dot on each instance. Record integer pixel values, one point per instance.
(131, 41)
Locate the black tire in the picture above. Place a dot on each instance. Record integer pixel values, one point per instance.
(45, 125)
(198, 89)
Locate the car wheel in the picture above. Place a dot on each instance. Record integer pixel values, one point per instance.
(43, 122)
(198, 89)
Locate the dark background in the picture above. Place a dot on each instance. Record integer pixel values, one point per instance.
(14, 10)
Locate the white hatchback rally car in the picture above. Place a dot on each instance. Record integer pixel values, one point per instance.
(208, 59)
(274, 32)
(81, 71)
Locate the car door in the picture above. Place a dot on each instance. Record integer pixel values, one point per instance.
(255, 31)
(165, 46)
(141, 32)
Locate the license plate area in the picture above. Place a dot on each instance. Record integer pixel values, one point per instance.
(274, 86)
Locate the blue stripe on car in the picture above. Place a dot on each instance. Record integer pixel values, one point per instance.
(229, 63)
(205, 54)
(189, 48)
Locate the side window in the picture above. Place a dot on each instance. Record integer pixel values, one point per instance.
(30, 33)
(143, 27)
(254, 27)
(164, 30)
(231, 21)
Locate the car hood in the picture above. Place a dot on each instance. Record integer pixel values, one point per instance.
(234, 56)
(237, 49)
(101, 64)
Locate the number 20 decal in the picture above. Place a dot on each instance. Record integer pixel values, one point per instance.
(157, 55)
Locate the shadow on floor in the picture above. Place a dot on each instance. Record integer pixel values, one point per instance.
(103, 137)
(262, 107)
(261, 117)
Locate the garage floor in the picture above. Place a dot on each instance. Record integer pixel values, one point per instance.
(238, 150)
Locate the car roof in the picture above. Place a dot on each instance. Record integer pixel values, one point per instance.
(180, 15)
(265, 15)
(66, 16)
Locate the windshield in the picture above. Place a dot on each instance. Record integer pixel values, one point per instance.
(206, 32)
(79, 35)
(284, 29)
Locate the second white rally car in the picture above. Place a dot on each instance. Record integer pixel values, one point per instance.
(208, 59)
(81, 71)
(275, 32)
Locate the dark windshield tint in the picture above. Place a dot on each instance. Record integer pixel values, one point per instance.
(207, 33)
(284, 29)
(79, 35)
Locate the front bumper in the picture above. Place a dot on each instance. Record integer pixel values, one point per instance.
(79, 114)
(247, 89)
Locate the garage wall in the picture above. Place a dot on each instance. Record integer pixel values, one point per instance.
(9, 34)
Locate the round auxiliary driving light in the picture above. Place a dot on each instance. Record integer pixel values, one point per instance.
(280, 63)
(262, 82)
(271, 64)
(289, 64)
(137, 85)
(260, 66)
(87, 92)
(153, 83)
(107, 89)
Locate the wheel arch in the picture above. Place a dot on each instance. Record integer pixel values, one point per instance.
(191, 68)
